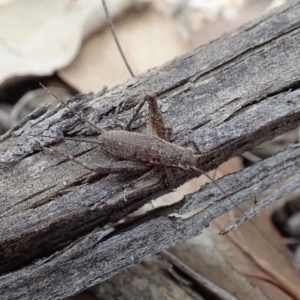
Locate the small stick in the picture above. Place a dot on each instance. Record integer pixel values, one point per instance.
(202, 281)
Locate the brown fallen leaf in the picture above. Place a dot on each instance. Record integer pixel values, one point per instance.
(47, 35)
(148, 38)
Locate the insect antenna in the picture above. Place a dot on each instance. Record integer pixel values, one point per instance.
(100, 130)
(71, 158)
(64, 138)
(112, 29)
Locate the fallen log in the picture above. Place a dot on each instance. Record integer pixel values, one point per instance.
(227, 96)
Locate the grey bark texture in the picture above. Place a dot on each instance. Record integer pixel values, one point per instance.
(228, 96)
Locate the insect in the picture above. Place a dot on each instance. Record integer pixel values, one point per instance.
(144, 151)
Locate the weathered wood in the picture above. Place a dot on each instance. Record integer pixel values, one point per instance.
(104, 253)
(228, 96)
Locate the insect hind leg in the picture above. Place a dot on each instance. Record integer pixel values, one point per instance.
(155, 123)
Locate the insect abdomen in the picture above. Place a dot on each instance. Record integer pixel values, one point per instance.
(127, 145)
(146, 149)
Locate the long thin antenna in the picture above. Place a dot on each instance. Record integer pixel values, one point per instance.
(73, 111)
(71, 158)
(112, 29)
(64, 138)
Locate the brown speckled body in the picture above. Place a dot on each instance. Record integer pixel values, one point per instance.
(147, 149)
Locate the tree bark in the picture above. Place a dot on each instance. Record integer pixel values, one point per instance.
(227, 97)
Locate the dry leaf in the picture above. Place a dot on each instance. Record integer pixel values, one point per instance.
(149, 38)
(39, 36)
